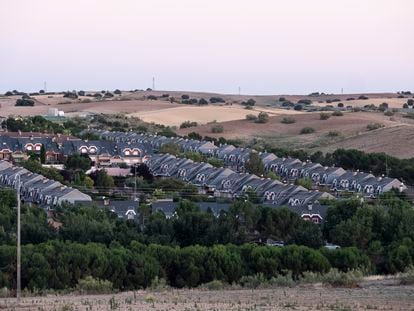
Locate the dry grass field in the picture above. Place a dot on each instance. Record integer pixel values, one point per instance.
(395, 138)
(371, 295)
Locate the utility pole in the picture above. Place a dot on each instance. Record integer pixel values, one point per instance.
(239, 91)
(45, 87)
(18, 267)
(153, 83)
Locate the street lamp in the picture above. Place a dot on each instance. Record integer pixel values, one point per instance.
(18, 264)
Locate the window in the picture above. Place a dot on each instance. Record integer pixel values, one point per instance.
(92, 149)
(84, 150)
(29, 147)
(38, 147)
(127, 152)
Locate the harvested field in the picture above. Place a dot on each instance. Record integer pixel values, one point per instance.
(392, 102)
(397, 141)
(351, 132)
(200, 114)
(377, 295)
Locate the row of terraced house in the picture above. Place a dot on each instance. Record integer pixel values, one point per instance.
(336, 179)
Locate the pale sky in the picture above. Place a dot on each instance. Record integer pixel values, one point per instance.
(263, 46)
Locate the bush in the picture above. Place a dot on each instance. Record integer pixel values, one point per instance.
(91, 285)
(407, 278)
(338, 278)
(24, 102)
(216, 100)
(374, 126)
(108, 95)
(307, 130)
(97, 95)
(251, 117)
(363, 97)
(288, 120)
(324, 116)
(202, 101)
(388, 113)
(333, 134)
(185, 96)
(298, 107)
(71, 95)
(213, 285)
(340, 105)
(253, 281)
(188, 124)
(263, 117)
(282, 280)
(152, 97)
(305, 102)
(8, 93)
(337, 113)
(81, 93)
(251, 102)
(117, 92)
(217, 128)
(282, 99)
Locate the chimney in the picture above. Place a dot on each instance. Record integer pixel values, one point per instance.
(106, 201)
(310, 207)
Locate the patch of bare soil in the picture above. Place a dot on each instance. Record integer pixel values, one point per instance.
(371, 295)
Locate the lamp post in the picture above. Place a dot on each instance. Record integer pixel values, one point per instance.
(18, 264)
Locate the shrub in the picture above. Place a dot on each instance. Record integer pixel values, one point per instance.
(305, 102)
(298, 107)
(409, 115)
(97, 95)
(248, 108)
(337, 113)
(81, 93)
(158, 284)
(307, 130)
(288, 120)
(282, 99)
(216, 100)
(374, 126)
(388, 113)
(405, 106)
(350, 98)
(193, 101)
(410, 102)
(324, 116)
(202, 101)
(363, 97)
(24, 102)
(188, 124)
(8, 93)
(91, 285)
(251, 102)
(333, 134)
(340, 105)
(251, 117)
(253, 281)
(213, 285)
(117, 92)
(263, 117)
(342, 279)
(185, 96)
(282, 280)
(71, 95)
(383, 107)
(86, 100)
(165, 95)
(108, 95)
(152, 97)
(407, 278)
(217, 128)
(194, 135)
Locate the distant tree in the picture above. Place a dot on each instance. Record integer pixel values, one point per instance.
(81, 93)
(102, 180)
(194, 135)
(263, 117)
(203, 101)
(185, 96)
(304, 182)
(255, 165)
(117, 92)
(298, 107)
(42, 154)
(8, 93)
(340, 105)
(187, 124)
(143, 171)
(170, 148)
(77, 162)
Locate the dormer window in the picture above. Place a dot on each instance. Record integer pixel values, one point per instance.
(29, 147)
(84, 150)
(38, 147)
(92, 149)
(127, 152)
(135, 152)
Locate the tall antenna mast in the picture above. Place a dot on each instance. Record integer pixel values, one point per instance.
(239, 90)
(45, 86)
(153, 83)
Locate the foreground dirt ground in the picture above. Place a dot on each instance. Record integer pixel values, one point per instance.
(374, 295)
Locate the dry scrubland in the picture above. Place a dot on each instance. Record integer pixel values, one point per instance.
(371, 295)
